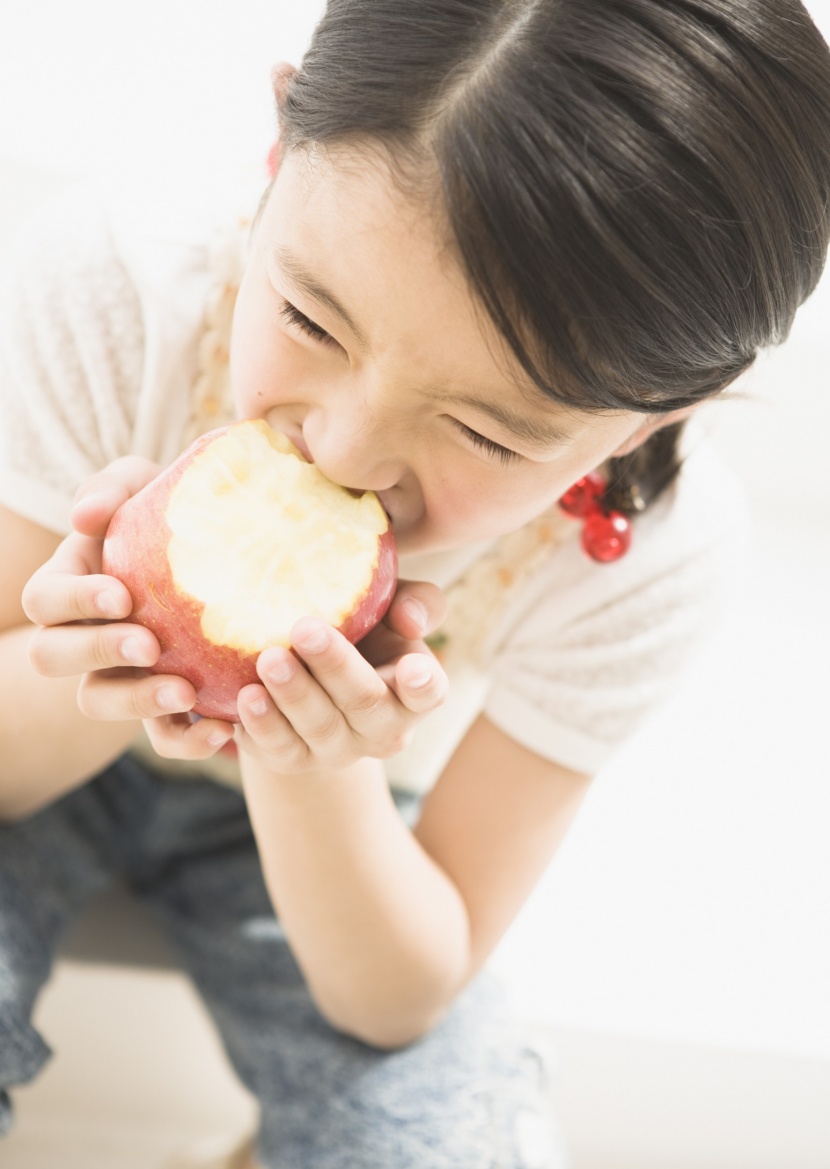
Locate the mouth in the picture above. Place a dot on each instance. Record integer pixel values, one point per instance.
(384, 503)
(299, 443)
(383, 496)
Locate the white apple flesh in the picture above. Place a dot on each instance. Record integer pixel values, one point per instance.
(236, 541)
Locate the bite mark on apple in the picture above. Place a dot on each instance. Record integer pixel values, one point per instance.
(240, 537)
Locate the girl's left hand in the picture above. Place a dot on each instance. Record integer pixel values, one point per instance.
(328, 703)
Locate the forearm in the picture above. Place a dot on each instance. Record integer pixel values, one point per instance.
(380, 931)
(47, 746)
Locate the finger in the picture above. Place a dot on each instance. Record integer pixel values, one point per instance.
(360, 699)
(178, 736)
(53, 597)
(65, 650)
(100, 496)
(419, 683)
(417, 608)
(352, 684)
(304, 700)
(123, 694)
(266, 728)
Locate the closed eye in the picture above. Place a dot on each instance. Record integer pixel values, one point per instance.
(495, 449)
(300, 321)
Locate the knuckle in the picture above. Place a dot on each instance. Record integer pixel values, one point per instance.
(326, 729)
(30, 599)
(339, 662)
(102, 653)
(38, 651)
(85, 697)
(165, 744)
(364, 703)
(294, 757)
(142, 703)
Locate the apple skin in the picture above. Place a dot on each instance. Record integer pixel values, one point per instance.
(135, 552)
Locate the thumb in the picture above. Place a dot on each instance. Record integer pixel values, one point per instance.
(417, 609)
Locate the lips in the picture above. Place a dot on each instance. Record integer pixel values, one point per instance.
(383, 499)
(299, 443)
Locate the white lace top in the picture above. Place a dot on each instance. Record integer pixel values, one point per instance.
(114, 324)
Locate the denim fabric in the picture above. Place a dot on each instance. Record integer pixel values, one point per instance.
(473, 1094)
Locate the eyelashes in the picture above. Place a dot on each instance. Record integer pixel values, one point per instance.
(504, 455)
(300, 321)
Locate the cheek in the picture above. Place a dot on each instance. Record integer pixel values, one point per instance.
(505, 502)
(476, 507)
(264, 362)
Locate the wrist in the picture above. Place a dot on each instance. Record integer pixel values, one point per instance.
(260, 779)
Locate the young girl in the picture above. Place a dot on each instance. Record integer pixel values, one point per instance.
(507, 245)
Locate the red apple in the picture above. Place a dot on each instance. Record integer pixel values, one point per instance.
(233, 543)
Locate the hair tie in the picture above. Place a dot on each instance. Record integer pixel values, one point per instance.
(606, 532)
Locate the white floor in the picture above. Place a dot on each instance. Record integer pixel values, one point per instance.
(140, 1077)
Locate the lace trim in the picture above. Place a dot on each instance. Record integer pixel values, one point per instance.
(476, 601)
(211, 399)
(480, 596)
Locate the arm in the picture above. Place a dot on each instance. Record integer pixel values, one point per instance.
(46, 744)
(388, 924)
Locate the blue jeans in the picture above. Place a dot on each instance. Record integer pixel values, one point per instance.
(473, 1094)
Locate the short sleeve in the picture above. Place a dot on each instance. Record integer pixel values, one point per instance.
(575, 696)
(599, 647)
(71, 346)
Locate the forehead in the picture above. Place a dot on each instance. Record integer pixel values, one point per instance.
(357, 197)
(385, 251)
(382, 253)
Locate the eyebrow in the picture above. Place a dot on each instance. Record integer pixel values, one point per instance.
(537, 431)
(302, 278)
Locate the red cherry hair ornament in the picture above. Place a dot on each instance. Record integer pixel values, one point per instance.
(606, 534)
(584, 497)
(606, 537)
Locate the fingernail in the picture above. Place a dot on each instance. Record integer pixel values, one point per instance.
(312, 638)
(421, 678)
(282, 671)
(218, 738)
(167, 698)
(417, 613)
(131, 652)
(94, 497)
(107, 603)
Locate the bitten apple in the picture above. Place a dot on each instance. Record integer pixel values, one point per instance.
(233, 543)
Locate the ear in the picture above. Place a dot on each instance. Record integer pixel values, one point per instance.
(281, 74)
(653, 423)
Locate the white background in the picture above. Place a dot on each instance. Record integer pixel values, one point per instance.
(691, 900)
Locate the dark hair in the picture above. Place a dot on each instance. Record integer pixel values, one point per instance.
(638, 190)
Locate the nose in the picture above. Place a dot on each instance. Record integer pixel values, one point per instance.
(354, 449)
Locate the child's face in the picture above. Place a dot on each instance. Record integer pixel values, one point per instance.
(390, 393)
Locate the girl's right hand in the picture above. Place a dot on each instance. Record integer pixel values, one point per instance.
(77, 610)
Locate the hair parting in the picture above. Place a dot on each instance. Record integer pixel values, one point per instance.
(638, 190)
